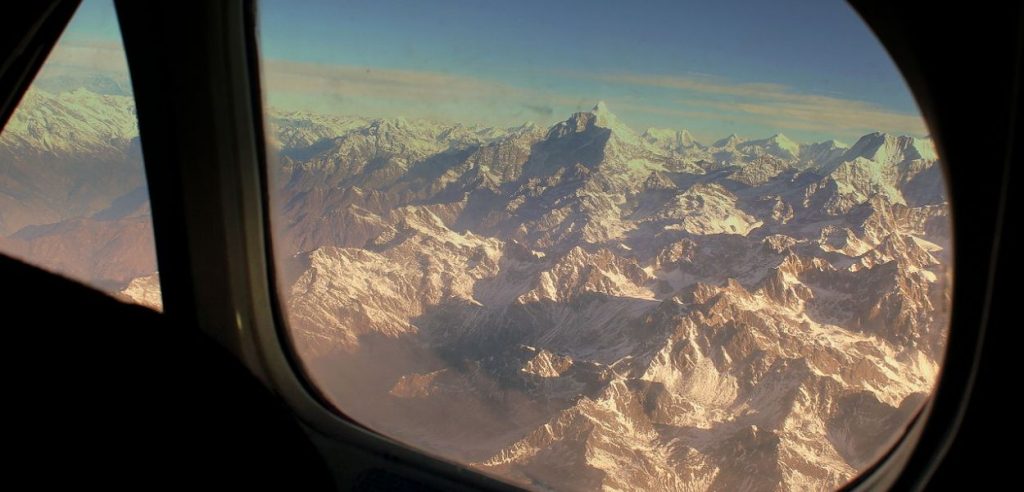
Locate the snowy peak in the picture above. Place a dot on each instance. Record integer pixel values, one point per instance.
(604, 118)
(887, 149)
(781, 141)
(74, 122)
(728, 142)
(822, 153)
(777, 145)
(685, 139)
(666, 138)
(600, 117)
(827, 145)
(581, 122)
(388, 125)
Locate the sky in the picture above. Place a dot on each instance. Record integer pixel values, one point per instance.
(810, 69)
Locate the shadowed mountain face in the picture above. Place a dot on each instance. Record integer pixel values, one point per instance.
(584, 306)
(575, 307)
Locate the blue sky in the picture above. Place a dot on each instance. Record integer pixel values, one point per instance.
(810, 69)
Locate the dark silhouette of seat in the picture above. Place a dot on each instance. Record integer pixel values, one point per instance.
(106, 393)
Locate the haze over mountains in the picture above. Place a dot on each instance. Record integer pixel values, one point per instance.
(72, 187)
(577, 306)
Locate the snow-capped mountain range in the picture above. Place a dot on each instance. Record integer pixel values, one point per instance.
(585, 306)
(571, 307)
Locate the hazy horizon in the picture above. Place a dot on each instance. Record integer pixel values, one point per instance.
(413, 61)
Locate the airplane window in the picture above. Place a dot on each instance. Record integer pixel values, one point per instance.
(582, 245)
(73, 195)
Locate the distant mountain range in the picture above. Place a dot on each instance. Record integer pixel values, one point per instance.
(576, 307)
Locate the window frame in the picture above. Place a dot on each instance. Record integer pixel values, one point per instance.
(27, 48)
(201, 122)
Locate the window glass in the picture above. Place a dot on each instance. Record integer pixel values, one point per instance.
(579, 245)
(73, 195)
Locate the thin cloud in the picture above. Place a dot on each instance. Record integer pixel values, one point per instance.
(376, 92)
(775, 105)
(840, 116)
(95, 56)
(353, 81)
(692, 99)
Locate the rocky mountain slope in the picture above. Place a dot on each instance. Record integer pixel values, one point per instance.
(584, 306)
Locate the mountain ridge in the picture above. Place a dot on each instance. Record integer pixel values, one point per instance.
(801, 268)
